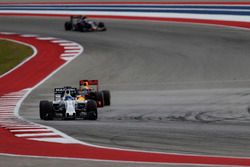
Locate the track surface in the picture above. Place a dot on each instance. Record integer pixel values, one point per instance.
(167, 60)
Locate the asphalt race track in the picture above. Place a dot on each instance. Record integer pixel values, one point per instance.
(177, 88)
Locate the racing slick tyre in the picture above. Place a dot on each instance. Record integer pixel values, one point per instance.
(68, 26)
(101, 26)
(46, 110)
(99, 99)
(92, 110)
(106, 96)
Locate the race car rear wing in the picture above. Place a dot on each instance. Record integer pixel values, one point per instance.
(59, 92)
(89, 82)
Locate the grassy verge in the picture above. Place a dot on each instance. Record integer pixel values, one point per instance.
(11, 54)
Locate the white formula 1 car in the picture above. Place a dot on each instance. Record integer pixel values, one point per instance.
(68, 104)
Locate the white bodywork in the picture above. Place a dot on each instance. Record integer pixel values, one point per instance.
(70, 107)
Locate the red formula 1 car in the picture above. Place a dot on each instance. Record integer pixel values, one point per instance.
(90, 89)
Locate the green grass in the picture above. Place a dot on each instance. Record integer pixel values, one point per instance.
(12, 54)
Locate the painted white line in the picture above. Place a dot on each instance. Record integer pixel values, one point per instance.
(7, 121)
(60, 41)
(72, 47)
(7, 125)
(6, 114)
(139, 14)
(31, 130)
(7, 104)
(6, 107)
(68, 44)
(11, 96)
(68, 54)
(67, 58)
(29, 35)
(21, 126)
(8, 117)
(35, 134)
(7, 33)
(20, 93)
(54, 140)
(18, 127)
(45, 38)
(6, 110)
(8, 101)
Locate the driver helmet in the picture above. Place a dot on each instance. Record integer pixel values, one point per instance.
(85, 85)
(85, 91)
(68, 95)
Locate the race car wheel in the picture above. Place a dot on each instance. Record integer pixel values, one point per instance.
(68, 26)
(101, 26)
(92, 110)
(99, 99)
(46, 110)
(107, 97)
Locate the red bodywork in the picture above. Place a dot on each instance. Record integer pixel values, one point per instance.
(90, 82)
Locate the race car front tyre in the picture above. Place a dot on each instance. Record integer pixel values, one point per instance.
(68, 26)
(92, 110)
(107, 97)
(46, 110)
(101, 26)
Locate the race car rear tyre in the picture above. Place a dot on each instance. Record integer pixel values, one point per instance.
(68, 26)
(46, 110)
(99, 99)
(92, 110)
(107, 97)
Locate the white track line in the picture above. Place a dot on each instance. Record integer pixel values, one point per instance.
(35, 134)
(61, 41)
(45, 38)
(7, 33)
(53, 139)
(29, 35)
(69, 44)
(68, 54)
(31, 130)
(72, 47)
(27, 127)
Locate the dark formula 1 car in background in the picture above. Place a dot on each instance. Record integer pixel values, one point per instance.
(91, 88)
(80, 23)
(68, 104)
